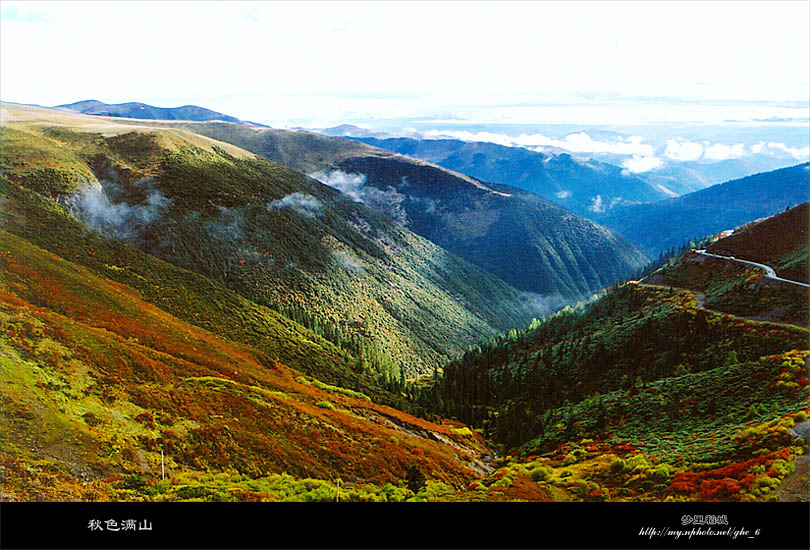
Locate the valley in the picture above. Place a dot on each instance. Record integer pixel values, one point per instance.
(527, 241)
(188, 316)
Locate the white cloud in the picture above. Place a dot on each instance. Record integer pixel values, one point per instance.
(637, 164)
(596, 204)
(578, 142)
(796, 152)
(564, 194)
(306, 205)
(721, 151)
(641, 155)
(464, 135)
(581, 142)
(349, 184)
(683, 150)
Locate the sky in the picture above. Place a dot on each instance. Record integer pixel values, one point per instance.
(322, 63)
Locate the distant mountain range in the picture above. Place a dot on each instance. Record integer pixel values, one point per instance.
(144, 111)
(349, 130)
(583, 186)
(665, 224)
(531, 244)
(602, 192)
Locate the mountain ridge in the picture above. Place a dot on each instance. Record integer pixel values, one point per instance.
(271, 234)
(665, 224)
(538, 242)
(137, 110)
(617, 398)
(583, 186)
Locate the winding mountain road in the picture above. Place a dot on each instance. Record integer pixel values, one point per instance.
(770, 273)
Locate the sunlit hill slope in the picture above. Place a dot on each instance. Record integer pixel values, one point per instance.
(271, 234)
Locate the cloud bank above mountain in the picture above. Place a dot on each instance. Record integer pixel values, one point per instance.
(641, 156)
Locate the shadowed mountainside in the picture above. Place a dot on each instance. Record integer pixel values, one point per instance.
(583, 186)
(529, 242)
(661, 225)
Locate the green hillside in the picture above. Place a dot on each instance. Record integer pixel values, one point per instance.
(648, 392)
(529, 242)
(104, 394)
(389, 297)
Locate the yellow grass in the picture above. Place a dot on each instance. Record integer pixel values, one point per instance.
(34, 119)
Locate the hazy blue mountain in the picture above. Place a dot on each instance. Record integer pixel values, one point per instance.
(142, 110)
(583, 186)
(661, 225)
(526, 240)
(350, 130)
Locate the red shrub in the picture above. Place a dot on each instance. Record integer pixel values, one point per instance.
(720, 489)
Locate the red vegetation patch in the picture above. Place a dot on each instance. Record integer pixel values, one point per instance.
(725, 483)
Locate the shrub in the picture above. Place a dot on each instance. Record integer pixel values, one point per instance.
(91, 419)
(415, 479)
(617, 466)
(662, 472)
(598, 495)
(540, 474)
(132, 481)
(325, 405)
(570, 458)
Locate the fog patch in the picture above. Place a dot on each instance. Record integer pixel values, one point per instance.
(426, 204)
(348, 261)
(100, 206)
(227, 227)
(306, 205)
(539, 304)
(353, 185)
(596, 204)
